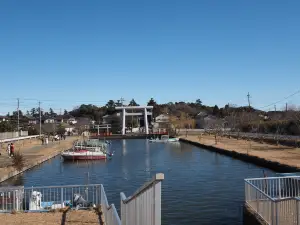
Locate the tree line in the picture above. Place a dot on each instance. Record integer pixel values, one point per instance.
(246, 119)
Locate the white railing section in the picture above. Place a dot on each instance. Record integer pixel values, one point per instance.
(18, 138)
(49, 197)
(110, 213)
(9, 135)
(274, 199)
(144, 206)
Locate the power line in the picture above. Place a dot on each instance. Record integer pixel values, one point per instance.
(274, 103)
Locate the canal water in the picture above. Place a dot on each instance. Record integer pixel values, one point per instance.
(200, 186)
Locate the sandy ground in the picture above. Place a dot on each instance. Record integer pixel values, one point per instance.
(33, 151)
(57, 218)
(281, 154)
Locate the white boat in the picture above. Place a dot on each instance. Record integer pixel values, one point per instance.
(164, 139)
(87, 150)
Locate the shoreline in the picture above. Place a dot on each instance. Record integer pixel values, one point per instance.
(246, 157)
(43, 153)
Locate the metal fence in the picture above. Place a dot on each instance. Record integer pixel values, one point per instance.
(49, 198)
(274, 199)
(144, 206)
(110, 213)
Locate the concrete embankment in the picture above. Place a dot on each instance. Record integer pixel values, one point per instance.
(278, 158)
(34, 154)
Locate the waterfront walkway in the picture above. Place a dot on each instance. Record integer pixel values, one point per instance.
(34, 153)
(282, 155)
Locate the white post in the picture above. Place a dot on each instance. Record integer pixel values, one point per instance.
(146, 120)
(123, 121)
(98, 130)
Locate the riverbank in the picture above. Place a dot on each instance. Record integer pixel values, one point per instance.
(79, 217)
(34, 154)
(278, 158)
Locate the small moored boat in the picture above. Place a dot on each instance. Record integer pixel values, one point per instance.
(164, 139)
(88, 150)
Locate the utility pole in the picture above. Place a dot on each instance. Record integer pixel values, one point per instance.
(122, 100)
(60, 111)
(18, 110)
(40, 119)
(249, 99)
(275, 107)
(286, 107)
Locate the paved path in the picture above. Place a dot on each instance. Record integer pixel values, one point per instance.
(33, 154)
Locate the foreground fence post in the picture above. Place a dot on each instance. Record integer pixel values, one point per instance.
(144, 206)
(157, 204)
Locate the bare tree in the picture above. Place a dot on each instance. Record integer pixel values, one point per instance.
(181, 122)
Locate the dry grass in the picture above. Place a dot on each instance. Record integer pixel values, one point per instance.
(277, 153)
(18, 161)
(68, 217)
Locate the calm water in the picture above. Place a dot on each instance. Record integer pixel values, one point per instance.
(200, 187)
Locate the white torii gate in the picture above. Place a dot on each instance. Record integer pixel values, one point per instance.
(124, 114)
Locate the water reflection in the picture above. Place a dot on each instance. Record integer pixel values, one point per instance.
(124, 147)
(200, 187)
(147, 159)
(124, 164)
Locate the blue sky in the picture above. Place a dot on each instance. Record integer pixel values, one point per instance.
(72, 52)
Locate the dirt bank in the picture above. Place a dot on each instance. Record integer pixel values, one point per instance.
(34, 153)
(279, 158)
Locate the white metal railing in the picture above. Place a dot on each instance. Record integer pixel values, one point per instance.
(49, 197)
(274, 199)
(144, 206)
(18, 138)
(110, 213)
(9, 135)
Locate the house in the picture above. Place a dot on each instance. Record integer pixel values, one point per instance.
(161, 121)
(3, 118)
(71, 120)
(162, 118)
(206, 121)
(70, 129)
(60, 119)
(83, 123)
(49, 120)
(31, 120)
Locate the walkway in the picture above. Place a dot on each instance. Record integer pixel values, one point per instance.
(34, 154)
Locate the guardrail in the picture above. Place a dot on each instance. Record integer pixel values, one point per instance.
(49, 197)
(19, 138)
(144, 206)
(111, 216)
(274, 199)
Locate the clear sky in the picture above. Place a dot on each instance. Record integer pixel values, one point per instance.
(72, 52)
